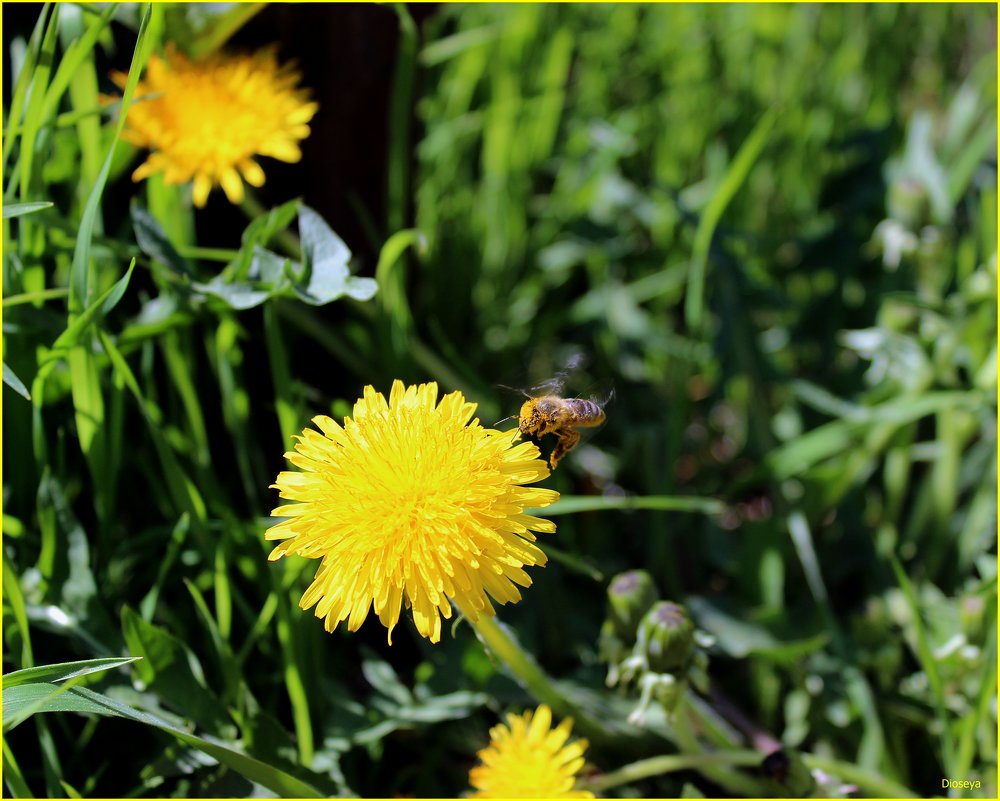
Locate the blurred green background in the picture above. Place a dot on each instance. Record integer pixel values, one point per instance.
(771, 228)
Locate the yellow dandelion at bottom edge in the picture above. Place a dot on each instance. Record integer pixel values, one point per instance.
(205, 121)
(409, 502)
(527, 758)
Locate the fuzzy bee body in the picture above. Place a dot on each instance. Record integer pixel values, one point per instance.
(551, 414)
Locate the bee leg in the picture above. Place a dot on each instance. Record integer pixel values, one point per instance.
(567, 441)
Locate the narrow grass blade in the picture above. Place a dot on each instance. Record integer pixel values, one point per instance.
(11, 210)
(747, 155)
(20, 94)
(80, 269)
(84, 701)
(569, 504)
(928, 663)
(61, 671)
(15, 383)
(33, 114)
(12, 589)
(12, 775)
(400, 112)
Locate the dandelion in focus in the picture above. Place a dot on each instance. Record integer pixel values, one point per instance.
(411, 503)
(205, 121)
(527, 758)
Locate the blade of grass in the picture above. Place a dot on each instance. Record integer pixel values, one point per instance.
(84, 701)
(400, 111)
(71, 65)
(222, 27)
(33, 115)
(12, 589)
(12, 775)
(182, 490)
(569, 504)
(11, 380)
(20, 93)
(925, 655)
(11, 210)
(281, 376)
(733, 179)
(223, 653)
(63, 671)
(177, 536)
(80, 269)
(294, 685)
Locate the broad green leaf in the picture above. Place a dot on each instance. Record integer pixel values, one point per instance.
(327, 258)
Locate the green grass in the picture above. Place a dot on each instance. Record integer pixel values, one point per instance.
(801, 448)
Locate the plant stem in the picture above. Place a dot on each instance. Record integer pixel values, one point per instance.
(870, 783)
(530, 676)
(669, 763)
(715, 770)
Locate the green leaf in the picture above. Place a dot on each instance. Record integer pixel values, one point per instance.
(80, 269)
(569, 504)
(167, 668)
(11, 210)
(61, 671)
(99, 308)
(12, 381)
(731, 182)
(327, 258)
(84, 701)
(261, 230)
(741, 637)
(153, 240)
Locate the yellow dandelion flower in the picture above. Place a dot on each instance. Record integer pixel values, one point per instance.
(527, 758)
(204, 121)
(409, 502)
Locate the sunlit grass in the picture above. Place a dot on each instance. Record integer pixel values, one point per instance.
(771, 228)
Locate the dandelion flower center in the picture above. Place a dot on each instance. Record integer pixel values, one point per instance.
(204, 121)
(411, 503)
(528, 759)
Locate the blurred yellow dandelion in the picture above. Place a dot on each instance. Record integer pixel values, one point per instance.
(204, 121)
(527, 758)
(409, 502)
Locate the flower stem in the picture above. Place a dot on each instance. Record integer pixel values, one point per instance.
(530, 676)
(669, 763)
(869, 783)
(715, 769)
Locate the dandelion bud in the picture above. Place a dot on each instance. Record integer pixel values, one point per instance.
(630, 596)
(666, 638)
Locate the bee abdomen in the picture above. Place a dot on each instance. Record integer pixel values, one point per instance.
(586, 412)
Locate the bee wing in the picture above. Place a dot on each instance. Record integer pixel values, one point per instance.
(604, 396)
(518, 390)
(554, 386)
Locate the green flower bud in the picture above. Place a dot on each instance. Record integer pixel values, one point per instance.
(666, 638)
(630, 596)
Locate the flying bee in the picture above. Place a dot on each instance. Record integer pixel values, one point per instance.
(550, 413)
